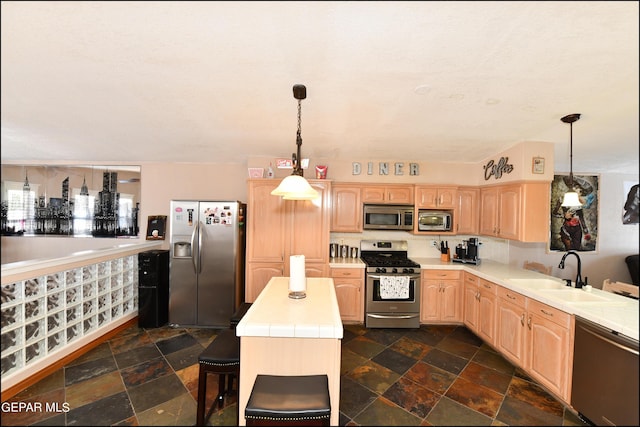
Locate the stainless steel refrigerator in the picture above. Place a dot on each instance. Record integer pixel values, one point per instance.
(206, 268)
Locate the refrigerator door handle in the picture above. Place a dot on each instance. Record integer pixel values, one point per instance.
(199, 269)
(193, 246)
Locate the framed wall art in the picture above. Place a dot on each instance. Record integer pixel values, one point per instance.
(574, 228)
(156, 227)
(537, 165)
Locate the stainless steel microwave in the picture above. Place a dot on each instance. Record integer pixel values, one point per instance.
(432, 220)
(388, 217)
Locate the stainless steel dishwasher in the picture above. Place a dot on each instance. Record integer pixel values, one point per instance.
(604, 389)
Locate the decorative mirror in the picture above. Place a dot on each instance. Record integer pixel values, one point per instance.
(78, 201)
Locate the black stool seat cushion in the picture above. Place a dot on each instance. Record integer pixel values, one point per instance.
(223, 351)
(239, 313)
(277, 397)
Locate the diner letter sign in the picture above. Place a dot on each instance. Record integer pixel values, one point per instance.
(498, 169)
(383, 168)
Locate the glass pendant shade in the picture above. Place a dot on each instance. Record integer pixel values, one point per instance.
(571, 199)
(295, 187)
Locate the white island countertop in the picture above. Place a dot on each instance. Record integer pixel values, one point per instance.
(274, 314)
(616, 312)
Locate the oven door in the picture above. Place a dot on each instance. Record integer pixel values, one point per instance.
(384, 311)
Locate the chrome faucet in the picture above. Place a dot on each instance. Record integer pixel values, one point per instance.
(579, 275)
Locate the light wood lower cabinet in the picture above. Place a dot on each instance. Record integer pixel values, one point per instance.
(538, 338)
(512, 326)
(349, 285)
(480, 299)
(441, 296)
(550, 347)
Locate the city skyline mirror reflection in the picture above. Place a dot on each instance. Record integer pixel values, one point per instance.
(74, 201)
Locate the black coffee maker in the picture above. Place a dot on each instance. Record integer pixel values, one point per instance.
(467, 252)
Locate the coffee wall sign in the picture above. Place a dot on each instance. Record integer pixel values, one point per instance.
(497, 169)
(384, 168)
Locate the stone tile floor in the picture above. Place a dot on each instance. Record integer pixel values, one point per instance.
(434, 375)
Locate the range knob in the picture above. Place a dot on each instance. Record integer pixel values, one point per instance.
(381, 270)
(407, 270)
(395, 270)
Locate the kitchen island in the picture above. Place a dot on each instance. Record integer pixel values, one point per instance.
(284, 336)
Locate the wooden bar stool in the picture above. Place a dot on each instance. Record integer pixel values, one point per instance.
(297, 400)
(221, 357)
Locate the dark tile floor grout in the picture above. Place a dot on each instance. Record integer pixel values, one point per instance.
(434, 375)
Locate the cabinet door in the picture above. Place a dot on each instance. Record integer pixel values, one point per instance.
(266, 230)
(467, 217)
(426, 197)
(349, 285)
(402, 195)
(258, 275)
(350, 298)
(511, 326)
(471, 305)
(373, 194)
(430, 197)
(487, 307)
(450, 302)
(430, 300)
(550, 347)
(346, 208)
(309, 227)
(509, 212)
(489, 211)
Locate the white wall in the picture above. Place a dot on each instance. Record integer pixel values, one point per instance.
(163, 182)
(615, 240)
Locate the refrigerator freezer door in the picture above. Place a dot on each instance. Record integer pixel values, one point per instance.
(183, 282)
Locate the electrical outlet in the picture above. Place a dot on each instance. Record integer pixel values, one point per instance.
(435, 243)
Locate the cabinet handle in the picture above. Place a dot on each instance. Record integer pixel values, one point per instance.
(486, 286)
(522, 319)
(529, 322)
(510, 296)
(546, 312)
(478, 295)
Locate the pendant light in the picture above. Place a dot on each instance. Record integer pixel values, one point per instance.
(571, 198)
(295, 187)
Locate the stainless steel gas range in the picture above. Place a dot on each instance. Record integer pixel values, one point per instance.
(392, 285)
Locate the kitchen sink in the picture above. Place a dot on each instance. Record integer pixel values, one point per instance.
(573, 295)
(539, 283)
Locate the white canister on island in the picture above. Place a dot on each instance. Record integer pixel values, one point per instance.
(297, 277)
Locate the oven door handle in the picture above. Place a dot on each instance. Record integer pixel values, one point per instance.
(411, 276)
(392, 316)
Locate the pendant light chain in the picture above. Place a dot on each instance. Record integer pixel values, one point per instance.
(571, 154)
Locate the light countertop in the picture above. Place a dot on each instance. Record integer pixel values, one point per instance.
(346, 263)
(274, 314)
(616, 312)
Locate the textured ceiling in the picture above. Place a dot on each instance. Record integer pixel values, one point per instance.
(212, 81)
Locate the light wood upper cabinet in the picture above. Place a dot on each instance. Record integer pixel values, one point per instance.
(277, 229)
(431, 197)
(515, 211)
(349, 285)
(441, 296)
(401, 194)
(346, 208)
(467, 217)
